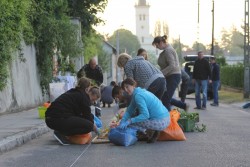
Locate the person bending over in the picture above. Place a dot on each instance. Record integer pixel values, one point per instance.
(70, 114)
(153, 116)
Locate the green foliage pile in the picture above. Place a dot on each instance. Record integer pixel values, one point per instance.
(47, 25)
(232, 75)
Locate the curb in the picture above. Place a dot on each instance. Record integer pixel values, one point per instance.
(21, 138)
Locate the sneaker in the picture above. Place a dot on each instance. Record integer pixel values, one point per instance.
(203, 108)
(141, 136)
(214, 104)
(197, 108)
(154, 137)
(61, 138)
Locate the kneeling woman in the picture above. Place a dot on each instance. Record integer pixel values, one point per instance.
(70, 114)
(153, 115)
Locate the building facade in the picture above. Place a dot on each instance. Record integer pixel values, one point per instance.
(142, 25)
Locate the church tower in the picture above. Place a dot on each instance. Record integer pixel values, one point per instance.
(142, 25)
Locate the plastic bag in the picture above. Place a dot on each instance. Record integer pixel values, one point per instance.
(97, 122)
(122, 137)
(173, 131)
(80, 139)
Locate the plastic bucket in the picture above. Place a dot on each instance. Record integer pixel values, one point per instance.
(41, 112)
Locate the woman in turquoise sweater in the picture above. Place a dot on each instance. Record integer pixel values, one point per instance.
(145, 111)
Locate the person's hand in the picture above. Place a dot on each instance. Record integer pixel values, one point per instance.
(98, 131)
(124, 124)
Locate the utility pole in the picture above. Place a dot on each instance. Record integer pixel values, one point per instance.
(198, 28)
(246, 52)
(117, 54)
(212, 46)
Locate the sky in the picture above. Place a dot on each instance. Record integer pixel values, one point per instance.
(180, 15)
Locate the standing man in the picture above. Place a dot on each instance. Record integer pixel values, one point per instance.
(201, 74)
(215, 68)
(94, 72)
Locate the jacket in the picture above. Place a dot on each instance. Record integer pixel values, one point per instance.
(201, 69)
(149, 106)
(71, 103)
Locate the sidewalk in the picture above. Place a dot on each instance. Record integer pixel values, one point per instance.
(19, 128)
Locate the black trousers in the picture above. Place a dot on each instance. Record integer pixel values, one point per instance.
(70, 126)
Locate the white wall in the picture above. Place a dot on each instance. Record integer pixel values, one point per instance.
(23, 90)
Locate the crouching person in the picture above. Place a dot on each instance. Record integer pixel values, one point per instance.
(70, 114)
(152, 116)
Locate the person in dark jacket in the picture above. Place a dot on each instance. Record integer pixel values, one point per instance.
(106, 96)
(70, 114)
(94, 72)
(215, 68)
(201, 75)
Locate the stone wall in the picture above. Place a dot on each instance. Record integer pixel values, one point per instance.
(23, 90)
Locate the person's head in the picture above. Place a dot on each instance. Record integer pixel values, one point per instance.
(160, 42)
(83, 84)
(142, 52)
(200, 55)
(94, 93)
(117, 93)
(212, 59)
(123, 59)
(129, 85)
(113, 83)
(92, 63)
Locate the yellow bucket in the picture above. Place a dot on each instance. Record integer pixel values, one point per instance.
(41, 112)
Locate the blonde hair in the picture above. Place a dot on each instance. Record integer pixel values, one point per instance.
(123, 59)
(83, 83)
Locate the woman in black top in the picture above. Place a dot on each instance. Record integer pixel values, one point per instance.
(70, 114)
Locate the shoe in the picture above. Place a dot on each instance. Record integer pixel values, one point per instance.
(61, 138)
(214, 104)
(203, 108)
(187, 107)
(141, 136)
(98, 112)
(154, 137)
(109, 106)
(197, 108)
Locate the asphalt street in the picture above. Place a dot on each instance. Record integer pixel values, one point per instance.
(226, 143)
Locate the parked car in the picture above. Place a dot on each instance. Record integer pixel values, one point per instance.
(188, 66)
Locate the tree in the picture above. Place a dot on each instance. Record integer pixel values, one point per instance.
(232, 41)
(87, 11)
(128, 42)
(199, 47)
(161, 28)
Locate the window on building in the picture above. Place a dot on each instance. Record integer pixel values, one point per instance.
(142, 39)
(142, 27)
(144, 17)
(139, 17)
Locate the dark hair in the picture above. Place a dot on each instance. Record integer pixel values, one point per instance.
(116, 90)
(113, 83)
(128, 81)
(140, 51)
(159, 39)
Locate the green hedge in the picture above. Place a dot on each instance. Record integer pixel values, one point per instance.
(233, 76)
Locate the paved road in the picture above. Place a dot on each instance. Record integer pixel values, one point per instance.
(225, 144)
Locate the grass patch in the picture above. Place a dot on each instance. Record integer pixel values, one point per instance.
(226, 96)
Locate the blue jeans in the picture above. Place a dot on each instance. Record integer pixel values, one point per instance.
(216, 85)
(172, 82)
(178, 103)
(201, 85)
(158, 87)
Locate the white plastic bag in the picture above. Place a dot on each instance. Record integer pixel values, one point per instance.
(56, 89)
